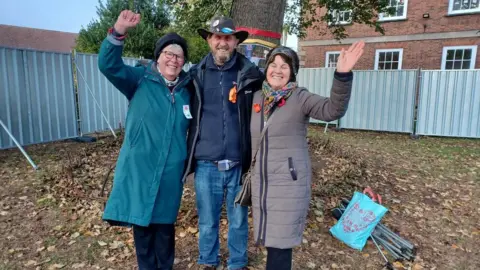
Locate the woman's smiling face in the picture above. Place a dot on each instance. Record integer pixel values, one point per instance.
(278, 73)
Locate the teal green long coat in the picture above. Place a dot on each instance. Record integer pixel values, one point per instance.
(147, 186)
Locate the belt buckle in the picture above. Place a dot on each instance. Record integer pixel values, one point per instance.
(223, 165)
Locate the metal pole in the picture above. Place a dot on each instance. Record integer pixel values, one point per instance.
(398, 252)
(379, 250)
(35, 167)
(393, 235)
(416, 100)
(96, 102)
(76, 97)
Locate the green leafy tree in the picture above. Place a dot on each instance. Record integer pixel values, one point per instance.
(197, 47)
(299, 14)
(322, 15)
(189, 15)
(140, 41)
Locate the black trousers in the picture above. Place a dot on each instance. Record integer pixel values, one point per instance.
(155, 246)
(279, 259)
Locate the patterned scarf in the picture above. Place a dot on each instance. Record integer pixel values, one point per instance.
(275, 97)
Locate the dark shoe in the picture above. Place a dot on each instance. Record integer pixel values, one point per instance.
(209, 267)
(243, 268)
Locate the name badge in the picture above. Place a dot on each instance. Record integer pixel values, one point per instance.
(186, 112)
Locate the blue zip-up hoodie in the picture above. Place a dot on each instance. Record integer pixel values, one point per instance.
(219, 136)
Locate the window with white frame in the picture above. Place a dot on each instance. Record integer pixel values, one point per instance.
(341, 17)
(463, 6)
(388, 59)
(399, 11)
(331, 59)
(459, 57)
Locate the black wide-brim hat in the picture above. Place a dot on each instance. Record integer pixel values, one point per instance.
(223, 26)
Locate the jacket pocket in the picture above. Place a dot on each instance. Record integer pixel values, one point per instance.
(291, 168)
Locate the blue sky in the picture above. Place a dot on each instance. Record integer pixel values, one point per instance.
(60, 15)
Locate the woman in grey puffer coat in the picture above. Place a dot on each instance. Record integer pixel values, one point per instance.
(281, 179)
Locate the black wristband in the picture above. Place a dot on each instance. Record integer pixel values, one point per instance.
(115, 34)
(343, 76)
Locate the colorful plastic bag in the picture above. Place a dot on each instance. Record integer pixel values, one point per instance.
(358, 222)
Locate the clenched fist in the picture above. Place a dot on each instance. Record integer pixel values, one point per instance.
(127, 19)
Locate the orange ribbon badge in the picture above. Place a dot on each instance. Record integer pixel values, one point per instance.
(256, 107)
(232, 96)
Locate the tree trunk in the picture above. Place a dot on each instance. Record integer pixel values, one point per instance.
(264, 15)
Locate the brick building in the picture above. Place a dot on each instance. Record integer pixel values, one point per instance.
(427, 34)
(36, 39)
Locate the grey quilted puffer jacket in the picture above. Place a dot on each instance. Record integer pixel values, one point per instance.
(281, 182)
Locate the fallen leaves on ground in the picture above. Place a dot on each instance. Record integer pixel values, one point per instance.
(51, 219)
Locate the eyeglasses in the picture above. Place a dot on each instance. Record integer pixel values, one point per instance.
(170, 55)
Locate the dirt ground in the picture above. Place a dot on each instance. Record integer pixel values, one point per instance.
(51, 218)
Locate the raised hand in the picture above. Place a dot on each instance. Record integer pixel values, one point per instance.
(127, 19)
(349, 58)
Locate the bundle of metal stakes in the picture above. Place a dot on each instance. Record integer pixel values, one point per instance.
(399, 248)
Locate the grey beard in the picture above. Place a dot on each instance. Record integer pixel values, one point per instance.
(220, 61)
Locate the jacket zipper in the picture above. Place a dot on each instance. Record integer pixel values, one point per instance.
(263, 186)
(172, 93)
(172, 108)
(263, 198)
(224, 110)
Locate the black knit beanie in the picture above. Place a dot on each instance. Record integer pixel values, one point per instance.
(169, 39)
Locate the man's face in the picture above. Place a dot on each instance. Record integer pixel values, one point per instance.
(222, 47)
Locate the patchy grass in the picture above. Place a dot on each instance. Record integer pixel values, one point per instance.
(428, 156)
(51, 218)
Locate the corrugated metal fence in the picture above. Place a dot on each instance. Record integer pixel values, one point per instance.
(381, 100)
(449, 103)
(318, 81)
(37, 101)
(112, 103)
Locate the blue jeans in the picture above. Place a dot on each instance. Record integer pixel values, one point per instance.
(211, 186)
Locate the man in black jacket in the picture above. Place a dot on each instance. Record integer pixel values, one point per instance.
(219, 140)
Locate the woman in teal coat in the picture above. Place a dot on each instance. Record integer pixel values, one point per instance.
(147, 187)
